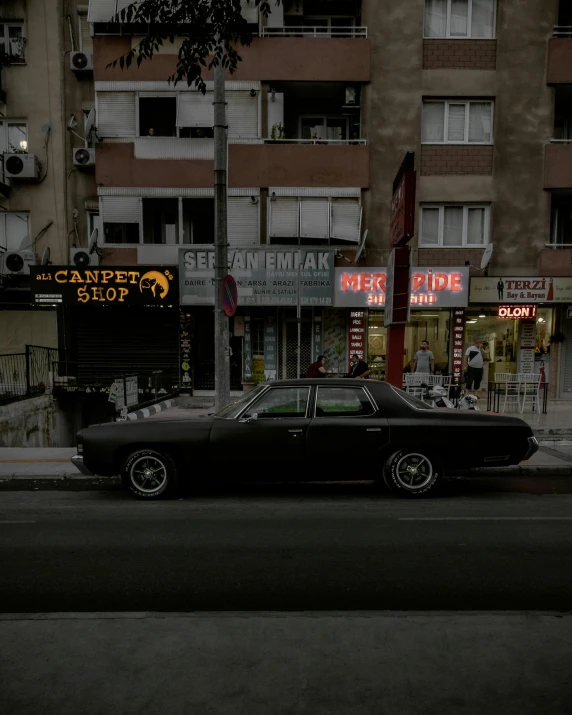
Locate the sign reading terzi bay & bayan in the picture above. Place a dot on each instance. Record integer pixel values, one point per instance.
(264, 276)
(430, 287)
(516, 289)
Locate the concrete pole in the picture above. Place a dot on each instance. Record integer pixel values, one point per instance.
(222, 347)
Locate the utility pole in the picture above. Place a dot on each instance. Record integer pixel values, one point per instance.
(222, 347)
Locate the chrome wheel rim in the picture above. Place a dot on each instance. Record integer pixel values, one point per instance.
(148, 474)
(414, 471)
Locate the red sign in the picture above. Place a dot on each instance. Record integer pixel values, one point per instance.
(403, 203)
(356, 335)
(229, 296)
(517, 312)
(458, 344)
(398, 286)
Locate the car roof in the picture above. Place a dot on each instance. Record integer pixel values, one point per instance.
(333, 382)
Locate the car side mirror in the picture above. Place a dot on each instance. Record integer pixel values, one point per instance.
(253, 417)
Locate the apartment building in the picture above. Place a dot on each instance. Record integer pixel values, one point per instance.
(44, 184)
(327, 101)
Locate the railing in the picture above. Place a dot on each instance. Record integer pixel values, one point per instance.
(562, 31)
(152, 385)
(330, 142)
(314, 31)
(558, 245)
(561, 141)
(27, 374)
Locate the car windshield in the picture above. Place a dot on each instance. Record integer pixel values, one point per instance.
(412, 401)
(235, 408)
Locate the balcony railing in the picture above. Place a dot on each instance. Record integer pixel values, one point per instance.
(314, 31)
(561, 141)
(330, 142)
(562, 31)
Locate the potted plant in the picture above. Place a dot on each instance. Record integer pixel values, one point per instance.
(277, 133)
(339, 349)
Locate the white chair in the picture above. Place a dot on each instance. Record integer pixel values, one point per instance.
(443, 380)
(415, 379)
(530, 391)
(511, 388)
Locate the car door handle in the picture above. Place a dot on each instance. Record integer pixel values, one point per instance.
(373, 429)
(295, 431)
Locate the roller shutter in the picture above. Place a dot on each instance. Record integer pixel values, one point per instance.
(284, 217)
(116, 114)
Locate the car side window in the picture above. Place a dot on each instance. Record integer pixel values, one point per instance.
(343, 402)
(280, 402)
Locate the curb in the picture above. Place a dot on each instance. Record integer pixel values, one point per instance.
(517, 471)
(152, 410)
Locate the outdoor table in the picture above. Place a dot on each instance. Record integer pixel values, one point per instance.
(496, 391)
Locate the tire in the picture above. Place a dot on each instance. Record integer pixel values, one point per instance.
(150, 475)
(412, 474)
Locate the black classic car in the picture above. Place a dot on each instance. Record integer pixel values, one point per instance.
(307, 430)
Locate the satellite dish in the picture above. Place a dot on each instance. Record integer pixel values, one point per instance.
(46, 256)
(361, 246)
(92, 246)
(89, 125)
(25, 243)
(487, 255)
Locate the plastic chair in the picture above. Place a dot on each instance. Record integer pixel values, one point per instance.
(531, 391)
(511, 388)
(415, 379)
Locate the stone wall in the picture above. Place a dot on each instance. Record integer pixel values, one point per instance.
(37, 422)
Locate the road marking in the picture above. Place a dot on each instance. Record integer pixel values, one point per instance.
(485, 518)
(33, 461)
(17, 522)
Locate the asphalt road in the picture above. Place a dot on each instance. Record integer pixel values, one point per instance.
(272, 549)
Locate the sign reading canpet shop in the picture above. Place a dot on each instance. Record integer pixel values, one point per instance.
(264, 276)
(132, 285)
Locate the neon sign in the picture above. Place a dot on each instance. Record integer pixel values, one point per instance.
(517, 312)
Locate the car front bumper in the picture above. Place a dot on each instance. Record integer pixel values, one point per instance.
(77, 461)
(532, 448)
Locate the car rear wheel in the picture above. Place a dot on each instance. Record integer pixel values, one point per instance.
(150, 475)
(412, 474)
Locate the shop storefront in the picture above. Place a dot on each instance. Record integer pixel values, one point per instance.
(517, 319)
(268, 341)
(435, 295)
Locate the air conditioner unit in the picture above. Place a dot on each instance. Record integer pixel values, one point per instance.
(81, 258)
(18, 262)
(81, 62)
(84, 157)
(21, 166)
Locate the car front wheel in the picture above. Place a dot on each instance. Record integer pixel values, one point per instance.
(412, 474)
(149, 474)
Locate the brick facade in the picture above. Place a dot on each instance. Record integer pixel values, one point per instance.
(450, 257)
(459, 54)
(456, 159)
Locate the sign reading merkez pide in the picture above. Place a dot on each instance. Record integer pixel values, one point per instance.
(264, 276)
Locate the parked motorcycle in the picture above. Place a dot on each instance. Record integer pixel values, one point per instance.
(437, 395)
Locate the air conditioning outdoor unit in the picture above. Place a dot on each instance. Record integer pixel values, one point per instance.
(81, 258)
(84, 157)
(21, 166)
(17, 262)
(81, 62)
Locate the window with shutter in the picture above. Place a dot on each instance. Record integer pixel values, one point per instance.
(242, 115)
(345, 220)
(243, 221)
(195, 109)
(284, 217)
(85, 38)
(121, 209)
(101, 10)
(454, 226)
(115, 114)
(315, 218)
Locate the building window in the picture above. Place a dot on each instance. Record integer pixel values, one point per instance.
(460, 19)
(313, 220)
(15, 231)
(121, 232)
(198, 220)
(161, 221)
(158, 116)
(320, 128)
(454, 226)
(85, 38)
(457, 122)
(13, 137)
(12, 41)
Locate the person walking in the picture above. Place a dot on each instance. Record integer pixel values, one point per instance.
(360, 369)
(424, 360)
(474, 364)
(317, 369)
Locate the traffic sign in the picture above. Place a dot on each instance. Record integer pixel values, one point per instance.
(229, 296)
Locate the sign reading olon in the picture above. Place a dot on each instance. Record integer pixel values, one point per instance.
(430, 287)
(131, 285)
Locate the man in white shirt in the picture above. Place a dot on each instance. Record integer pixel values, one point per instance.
(474, 365)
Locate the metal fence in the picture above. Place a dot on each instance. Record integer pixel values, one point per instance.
(26, 374)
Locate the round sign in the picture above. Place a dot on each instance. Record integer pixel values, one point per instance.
(229, 296)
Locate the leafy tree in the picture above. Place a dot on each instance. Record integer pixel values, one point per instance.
(211, 31)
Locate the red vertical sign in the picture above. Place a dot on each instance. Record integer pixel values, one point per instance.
(356, 334)
(458, 344)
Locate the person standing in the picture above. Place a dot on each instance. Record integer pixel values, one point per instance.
(424, 359)
(317, 369)
(360, 369)
(474, 363)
